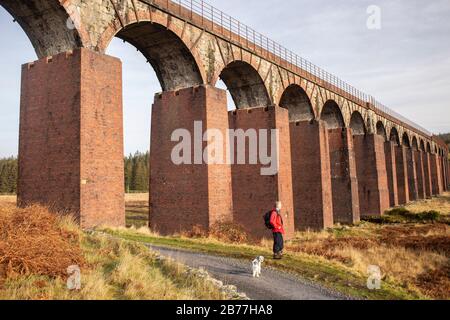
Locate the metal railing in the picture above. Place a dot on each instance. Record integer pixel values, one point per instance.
(211, 17)
(381, 107)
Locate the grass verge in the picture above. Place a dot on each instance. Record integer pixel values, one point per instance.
(110, 268)
(327, 273)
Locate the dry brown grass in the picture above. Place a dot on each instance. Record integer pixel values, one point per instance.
(416, 256)
(229, 232)
(8, 199)
(136, 209)
(136, 197)
(118, 270)
(33, 242)
(440, 204)
(36, 247)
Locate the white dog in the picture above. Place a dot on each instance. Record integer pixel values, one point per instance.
(256, 266)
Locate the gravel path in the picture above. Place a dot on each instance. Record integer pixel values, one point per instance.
(273, 284)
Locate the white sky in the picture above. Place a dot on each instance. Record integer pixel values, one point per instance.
(405, 65)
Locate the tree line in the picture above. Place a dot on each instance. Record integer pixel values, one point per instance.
(446, 138)
(8, 175)
(136, 173)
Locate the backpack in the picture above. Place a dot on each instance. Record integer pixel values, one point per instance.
(267, 220)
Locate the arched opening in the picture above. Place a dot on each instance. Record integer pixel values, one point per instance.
(415, 145)
(428, 147)
(307, 161)
(419, 169)
(406, 141)
(390, 150)
(139, 86)
(372, 186)
(357, 124)
(331, 114)
(296, 100)
(381, 130)
(245, 85)
(422, 145)
(231, 106)
(154, 59)
(411, 172)
(256, 115)
(401, 165)
(394, 137)
(17, 50)
(171, 60)
(345, 197)
(46, 24)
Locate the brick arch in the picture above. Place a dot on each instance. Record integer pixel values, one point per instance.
(308, 87)
(297, 101)
(357, 123)
(246, 86)
(347, 109)
(46, 24)
(381, 130)
(415, 144)
(317, 98)
(331, 114)
(422, 145)
(406, 141)
(388, 127)
(176, 65)
(394, 136)
(369, 123)
(189, 54)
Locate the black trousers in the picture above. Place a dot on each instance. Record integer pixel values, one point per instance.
(278, 242)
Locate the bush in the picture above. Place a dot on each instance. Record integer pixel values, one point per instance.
(398, 212)
(196, 232)
(428, 216)
(229, 232)
(402, 215)
(32, 241)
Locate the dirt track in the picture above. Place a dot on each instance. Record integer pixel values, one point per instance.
(273, 284)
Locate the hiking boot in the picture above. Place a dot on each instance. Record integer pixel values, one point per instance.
(277, 256)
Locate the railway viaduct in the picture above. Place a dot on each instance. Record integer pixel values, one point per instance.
(342, 155)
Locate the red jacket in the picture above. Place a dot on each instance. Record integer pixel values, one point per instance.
(277, 222)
